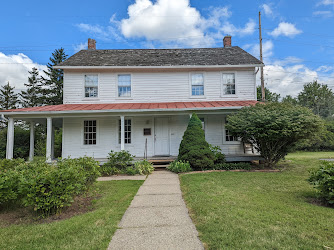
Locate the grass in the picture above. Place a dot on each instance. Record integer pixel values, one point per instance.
(247, 210)
(92, 230)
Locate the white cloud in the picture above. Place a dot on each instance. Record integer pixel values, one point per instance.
(14, 68)
(323, 13)
(285, 29)
(325, 68)
(267, 50)
(326, 2)
(171, 23)
(267, 10)
(80, 46)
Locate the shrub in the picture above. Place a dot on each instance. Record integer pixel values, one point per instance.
(143, 167)
(194, 148)
(233, 166)
(89, 167)
(6, 164)
(48, 188)
(9, 186)
(119, 160)
(323, 181)
(130, 171)
(179, 167)
(219, 157)
(273, 128)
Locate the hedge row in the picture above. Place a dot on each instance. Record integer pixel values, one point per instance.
(47, 188)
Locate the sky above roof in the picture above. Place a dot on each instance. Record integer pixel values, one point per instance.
(298, 38)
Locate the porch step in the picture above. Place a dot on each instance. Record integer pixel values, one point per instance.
(160, 167)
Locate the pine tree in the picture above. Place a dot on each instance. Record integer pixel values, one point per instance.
(53, 83)
(8, 100)
(194, 148)
(32, 97)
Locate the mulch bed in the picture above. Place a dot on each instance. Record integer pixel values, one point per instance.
(236, 170)
(21, 215)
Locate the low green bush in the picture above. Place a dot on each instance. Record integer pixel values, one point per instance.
(233, 166)
(47, 188)
(119, 160)
(51, 188)
(89, 167)
(179, 167)
(130, 171)
(143, 167)
(323, 180)
(6, 164)
(9, 186)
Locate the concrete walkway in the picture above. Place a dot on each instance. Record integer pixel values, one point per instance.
(122, 178)
(157, 218)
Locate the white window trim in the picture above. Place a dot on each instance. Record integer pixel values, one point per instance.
(83, 145)
(222, 83)
(190, 85)
(117, 126)
(84, 86)
(124, 97)
(224, 135)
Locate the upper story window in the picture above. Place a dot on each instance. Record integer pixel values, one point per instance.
(124, 85)
(228, 83)
(197, 84)
(91, 86)
(90, 132)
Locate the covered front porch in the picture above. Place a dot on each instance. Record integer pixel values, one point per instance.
(145, 133)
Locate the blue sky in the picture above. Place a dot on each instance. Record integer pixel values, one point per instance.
(298, 37)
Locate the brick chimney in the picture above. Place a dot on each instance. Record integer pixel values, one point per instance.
(91, 44)
(227, 41)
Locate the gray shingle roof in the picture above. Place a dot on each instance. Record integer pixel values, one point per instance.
(162, 57)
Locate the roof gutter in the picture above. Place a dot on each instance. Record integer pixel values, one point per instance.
(114, 111)
(160, 67)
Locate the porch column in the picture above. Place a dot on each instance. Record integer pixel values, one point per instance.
(53, 143)
(122, 132)
(48, 139)
(10, 139)
(32, 141)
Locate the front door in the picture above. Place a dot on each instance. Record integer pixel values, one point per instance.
(161, 136)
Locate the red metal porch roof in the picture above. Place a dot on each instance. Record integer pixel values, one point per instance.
(135, 106)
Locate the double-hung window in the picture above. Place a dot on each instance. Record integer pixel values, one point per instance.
(90, 132)
(91, 86)
(127, 131)
(124, 85)
(228, 136)
(197, 84)
(228, 83)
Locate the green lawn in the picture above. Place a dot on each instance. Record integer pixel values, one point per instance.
(249, 210)
(92, 230)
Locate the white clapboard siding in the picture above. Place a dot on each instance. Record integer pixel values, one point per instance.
(158, 87)
(107, 136)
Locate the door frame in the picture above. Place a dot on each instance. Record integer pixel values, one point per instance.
(154, 136)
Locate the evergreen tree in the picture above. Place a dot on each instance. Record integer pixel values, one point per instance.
(270, 96)
(32, 97)
(8, 100)
(194, 148)
(53, 83)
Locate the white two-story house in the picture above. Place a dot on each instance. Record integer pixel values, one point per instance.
(140, 100)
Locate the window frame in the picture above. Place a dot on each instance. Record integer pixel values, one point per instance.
(119, 132)
(235, 83)
(190, 84)
(96, 132)
(131, 86)
(84, 86)
(238, 141)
